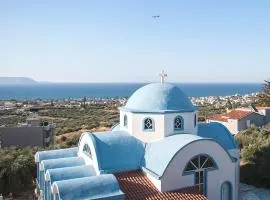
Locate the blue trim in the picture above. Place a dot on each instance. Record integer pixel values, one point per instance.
(205, 171)
(206, 183)
(182, 123)
(125, 121)
(156, 111)
(230, 190)
(209, 169)
(195, 120)
(153, 125)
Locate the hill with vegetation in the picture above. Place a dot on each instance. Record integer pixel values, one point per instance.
(16, 80)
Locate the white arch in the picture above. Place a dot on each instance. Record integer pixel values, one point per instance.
(87, 139)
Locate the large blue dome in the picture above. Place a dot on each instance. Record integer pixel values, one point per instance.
(159, 98)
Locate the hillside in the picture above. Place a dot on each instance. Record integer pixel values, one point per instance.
(16, 80)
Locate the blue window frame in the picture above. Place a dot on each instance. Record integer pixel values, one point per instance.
(199, 165)
(87, 150)
(148, 124)
(125, 121)
(178, 123)
(195, 120)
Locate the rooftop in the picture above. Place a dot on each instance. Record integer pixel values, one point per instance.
(137, 186)
(159, 98)
(234, 114)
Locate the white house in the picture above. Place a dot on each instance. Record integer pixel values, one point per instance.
(157, 151)
(242, 118)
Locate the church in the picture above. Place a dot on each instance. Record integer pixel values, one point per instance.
(157, 151)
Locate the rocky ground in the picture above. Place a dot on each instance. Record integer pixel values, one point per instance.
(248, 192)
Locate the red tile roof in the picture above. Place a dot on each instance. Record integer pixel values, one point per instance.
(137, 186)
(234, 114)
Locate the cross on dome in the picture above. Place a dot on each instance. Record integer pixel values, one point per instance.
(162, 76)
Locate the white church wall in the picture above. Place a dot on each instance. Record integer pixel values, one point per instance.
(85, 139)
(188, 123)
(173, 177)
(146, 135)
(156, 182)
(129, 115)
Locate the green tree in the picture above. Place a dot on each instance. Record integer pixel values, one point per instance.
(264, 98)
(229, 104)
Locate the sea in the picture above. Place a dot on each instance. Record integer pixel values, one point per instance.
(116, 90)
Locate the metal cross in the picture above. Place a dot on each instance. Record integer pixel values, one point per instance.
(162, 76)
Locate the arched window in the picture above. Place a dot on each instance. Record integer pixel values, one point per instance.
(148, 124)
(195, 120)
(198, 165)
(226, 191)
(178, 123)
(125, 121)
(86, 150)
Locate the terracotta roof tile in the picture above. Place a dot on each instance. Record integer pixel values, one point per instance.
(137, 186)
(234, 114)
(219, 118)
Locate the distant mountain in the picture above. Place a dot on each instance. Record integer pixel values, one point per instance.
(17, 80)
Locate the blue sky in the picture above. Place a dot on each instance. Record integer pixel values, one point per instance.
(119, 41)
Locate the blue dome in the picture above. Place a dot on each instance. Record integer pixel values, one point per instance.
(159, 98)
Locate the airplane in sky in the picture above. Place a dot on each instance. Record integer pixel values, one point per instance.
(156, 16)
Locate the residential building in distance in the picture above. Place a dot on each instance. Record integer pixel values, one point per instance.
(32, 133)
(242, 118)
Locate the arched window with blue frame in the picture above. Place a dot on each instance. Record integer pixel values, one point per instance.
(148, 124)
(178, 123)
(87, 150)
(199, 165)
(125, 121)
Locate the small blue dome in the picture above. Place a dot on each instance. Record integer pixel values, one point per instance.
(159, 98)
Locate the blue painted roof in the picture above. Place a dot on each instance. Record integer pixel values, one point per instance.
(218, 132)
(159, 98)
(59, 153)
(159, 154)
(70, 173)
(117, 151)
(62, 162)
(96, 187)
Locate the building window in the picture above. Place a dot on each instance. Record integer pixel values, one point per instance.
(178, 123)
(195, 120)
(226, 191)
(87, 151)
(125, 121)
(198, 165)
(199, 181)
(148, 124)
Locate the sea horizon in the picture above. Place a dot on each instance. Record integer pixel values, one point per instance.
(116, 90)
